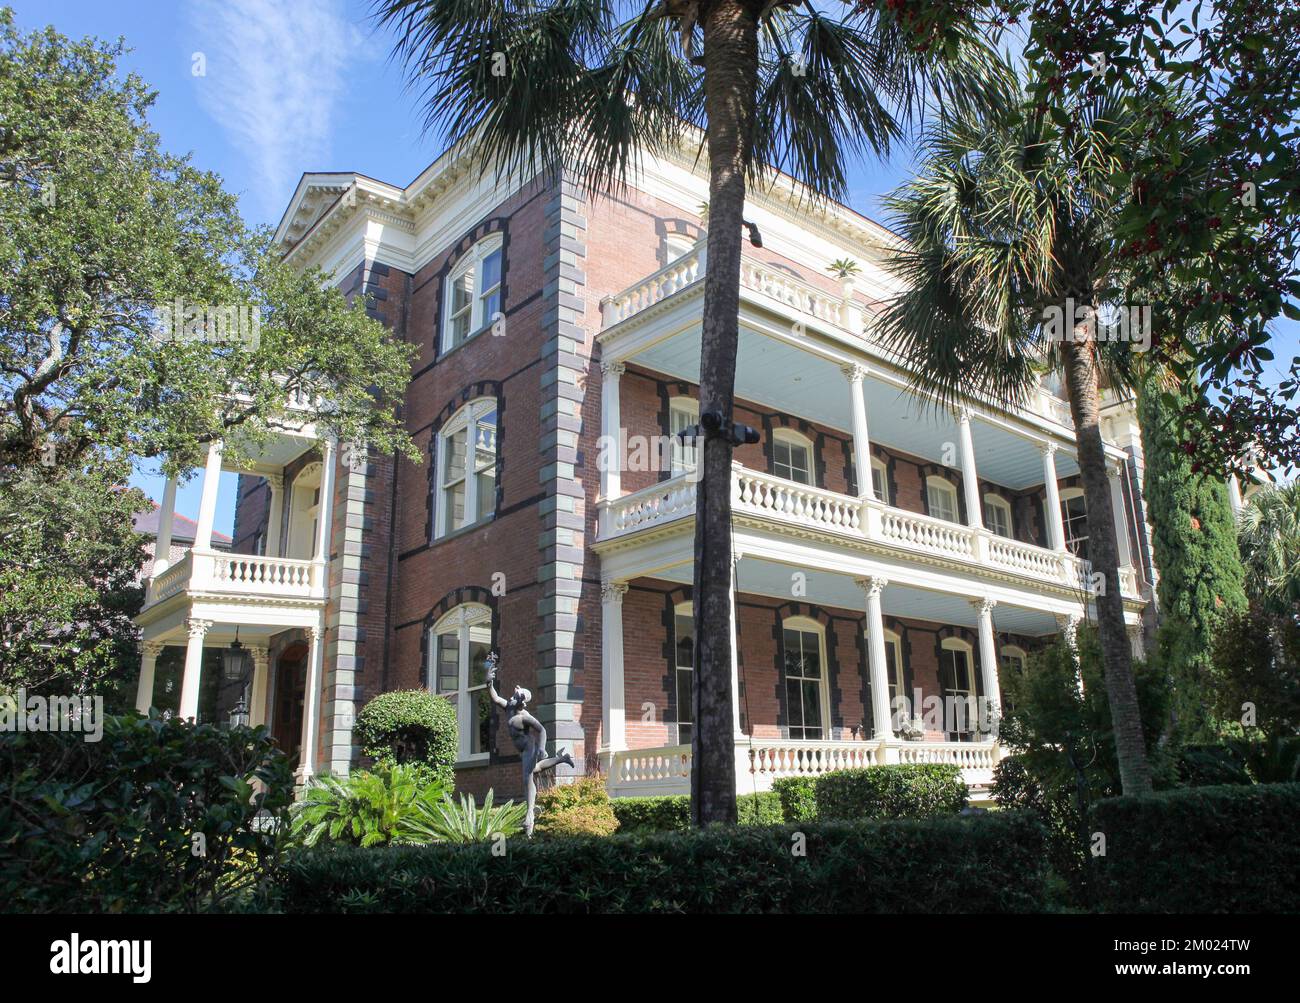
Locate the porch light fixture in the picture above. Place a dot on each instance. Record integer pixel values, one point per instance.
(233, 660)
(712, 424)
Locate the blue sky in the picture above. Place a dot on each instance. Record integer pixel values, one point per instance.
(289, 86)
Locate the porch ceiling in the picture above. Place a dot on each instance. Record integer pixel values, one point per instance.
(766, 578)
(785, 378)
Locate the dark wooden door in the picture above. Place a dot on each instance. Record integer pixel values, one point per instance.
(290, 687)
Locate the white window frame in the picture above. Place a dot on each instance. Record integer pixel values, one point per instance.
(972, 705)
(996, 503)
(687, 610)
(794, 440)
(935, 486)
(683, 412)
(879, 466)
(472, 260)
(806, 625)
(464, 420)
(1068, 495)
(676, 246)
(464, 621)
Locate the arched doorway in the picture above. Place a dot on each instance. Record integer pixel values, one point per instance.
(290, 689)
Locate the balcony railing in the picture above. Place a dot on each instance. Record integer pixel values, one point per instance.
(667, 770)
(789, 504)
(243, 576)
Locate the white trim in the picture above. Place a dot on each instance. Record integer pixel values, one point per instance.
(883, 467)
(683, 411)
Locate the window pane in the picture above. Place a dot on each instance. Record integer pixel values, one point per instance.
(878, 484)
(794, 707)
(487, 494)
(448, 663)
(478, 653)
(812, 706)
(679, 419)
(685, 705)
(491, 273)
(941, 502)
(684, 627)
(453, 464)
(481, 729)
(491, 307)
(454, 501)
(800, 468)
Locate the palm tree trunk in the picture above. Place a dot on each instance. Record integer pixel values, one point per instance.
(1081, 381)
(730, 84)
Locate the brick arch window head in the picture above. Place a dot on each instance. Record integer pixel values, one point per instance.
(472, 292)
(466, 456)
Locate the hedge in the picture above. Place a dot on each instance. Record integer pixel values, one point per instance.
(672, 813)
(978, 864)
(798, 797)
(900, 791)
(1224, 849)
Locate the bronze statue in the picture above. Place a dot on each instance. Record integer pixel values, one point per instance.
(529, 736)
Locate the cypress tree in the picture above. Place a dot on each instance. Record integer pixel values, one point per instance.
(1195, 550)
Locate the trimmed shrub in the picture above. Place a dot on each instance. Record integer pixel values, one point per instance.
(798, 797)
(410, 728)
(986, 864)
(672, 813)
(759, 808)
(1223, 849)
(581, 808)
(901, 791)
(114, 825)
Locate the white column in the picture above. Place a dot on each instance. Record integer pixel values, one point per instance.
(261, 676)
(162, 550)
(969, 477)
(198, 629)
(149, 652)
(611, 420)
(861, 441)
(613, 713)
(881, 712)
(1234, 494)
(989, 657)
(1055, 527)
(311, 705)
(275, 515)
(1068, 623)
(325, 512)
(735, 645)
(208, 503)
(1121, 515)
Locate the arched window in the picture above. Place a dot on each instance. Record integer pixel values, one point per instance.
(459, 644)
(792, 456)
(957, 677)
(1012, 659)
(1074, 519)
(804, 652)
(467, 467)
(997, 515)
(684, 669)
(683, 412)
(941, 498)
(473, 292)
(677, 245)
(880, 480)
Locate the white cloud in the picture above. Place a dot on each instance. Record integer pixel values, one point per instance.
(276, 71)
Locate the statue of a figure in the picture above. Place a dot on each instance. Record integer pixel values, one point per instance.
(528, 735)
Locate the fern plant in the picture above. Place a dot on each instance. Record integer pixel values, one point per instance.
(363, 809)
(444, 820)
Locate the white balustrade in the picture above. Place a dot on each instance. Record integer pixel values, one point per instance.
(674, 277)
(648, 507)
(664, 770)
(921, 532)
(248, 576)
(792, 502)
(976, 760)
(1024, 557)
(770, 759)
(793, 292)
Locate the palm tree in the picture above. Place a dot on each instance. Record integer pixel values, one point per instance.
(586, 86)
(1011, 214)
(1269, 536)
